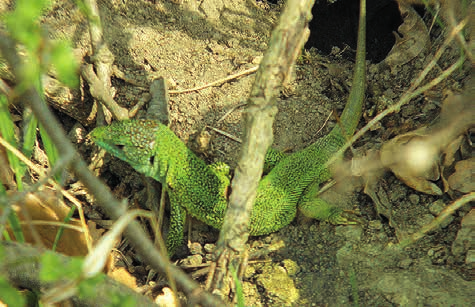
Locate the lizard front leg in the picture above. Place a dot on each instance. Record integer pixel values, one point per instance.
(321, 210)
(314, 207)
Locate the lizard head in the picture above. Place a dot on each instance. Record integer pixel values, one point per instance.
(133, 141)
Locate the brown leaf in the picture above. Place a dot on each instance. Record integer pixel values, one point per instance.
(462, 180)
(414, 39)
(96, 233)
(451, 149)
(46, 206)
(414, 157)
(6, 174)
(414, 160)
(123, 276)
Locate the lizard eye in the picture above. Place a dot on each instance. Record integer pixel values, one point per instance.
(120, 147)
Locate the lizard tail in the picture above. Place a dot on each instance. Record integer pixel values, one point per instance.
(353, 109)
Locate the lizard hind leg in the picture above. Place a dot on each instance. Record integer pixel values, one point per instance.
(319, 209)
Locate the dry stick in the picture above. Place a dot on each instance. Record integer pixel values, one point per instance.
(101, 93)
(232, 137)
(231, 111)
(55, 224)
(102, 59)
(135, 233)
(228, 78)
(140, 104)
(450, 17)
(435, 223)
(284, 47)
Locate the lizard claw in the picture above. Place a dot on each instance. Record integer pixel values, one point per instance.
(344, 217)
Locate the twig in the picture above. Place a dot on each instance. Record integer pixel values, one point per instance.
(217, 82)
(435, 223)
(121, 75)
(325, 122)
(232, 137)
(449, 8)
(100, 92)
(231, 111)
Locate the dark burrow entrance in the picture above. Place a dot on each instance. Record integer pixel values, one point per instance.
(336, 24)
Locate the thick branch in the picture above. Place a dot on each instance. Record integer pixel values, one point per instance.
(285, 44)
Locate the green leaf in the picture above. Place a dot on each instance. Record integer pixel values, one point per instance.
(16, 226)
(54, 268)
(50, 150)
(122, 300)
(239, 290)
(30, 123)
(63, 60)
(7, 130)
(87, 288)
(61, 229)
(9, 295)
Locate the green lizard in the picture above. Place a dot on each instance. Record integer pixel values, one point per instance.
(200, 189)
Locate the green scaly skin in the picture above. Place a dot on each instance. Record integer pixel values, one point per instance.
(200, 190)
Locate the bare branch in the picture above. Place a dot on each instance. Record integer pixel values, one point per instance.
(285, 44)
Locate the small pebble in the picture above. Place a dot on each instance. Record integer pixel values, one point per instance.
(209, 248)
(192, 260)
(375, 225)
(470, 258)
(405, 264)
(436, 207)
(77, 134)
(195, 248)
(414, 199)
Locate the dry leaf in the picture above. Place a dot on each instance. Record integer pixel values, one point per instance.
(96, 233)
(414, 157)
(6, 174)
(413, 40)
(462, 180)
(123, 276)
(166, 299)
(451, 149)
(45, 206)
